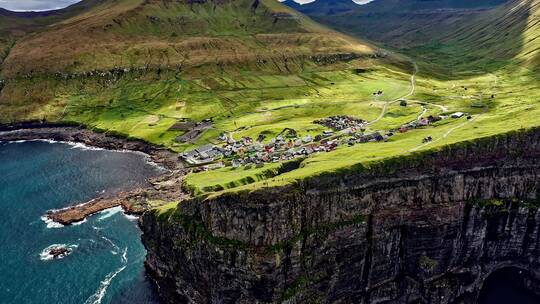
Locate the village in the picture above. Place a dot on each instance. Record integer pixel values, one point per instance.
(287, 145)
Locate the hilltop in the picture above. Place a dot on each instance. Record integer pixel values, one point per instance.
(15, 25)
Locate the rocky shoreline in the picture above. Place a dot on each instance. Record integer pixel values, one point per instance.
(79, 134)
(163, 188)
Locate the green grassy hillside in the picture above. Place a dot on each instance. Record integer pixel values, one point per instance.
(503, 38)
(135, 33)
(487, 67)
(15, 25)
(136, 68)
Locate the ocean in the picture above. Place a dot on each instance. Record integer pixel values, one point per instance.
(106, 261)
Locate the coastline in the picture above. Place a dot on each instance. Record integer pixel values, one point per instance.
(134, 201)
(69, 133)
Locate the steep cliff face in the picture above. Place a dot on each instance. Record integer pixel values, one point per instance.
(427, 228)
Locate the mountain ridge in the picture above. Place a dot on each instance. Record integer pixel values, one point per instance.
(128, 22)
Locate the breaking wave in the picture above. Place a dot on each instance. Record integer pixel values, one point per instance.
(50, 223)
(100, 293)
(107, 213)
(131, 217)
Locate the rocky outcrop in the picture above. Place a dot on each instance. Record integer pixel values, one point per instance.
(423, 228)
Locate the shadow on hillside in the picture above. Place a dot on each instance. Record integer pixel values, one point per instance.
(488, 43)
(449, 44)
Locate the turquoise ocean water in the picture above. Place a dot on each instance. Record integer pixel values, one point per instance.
(106, 263)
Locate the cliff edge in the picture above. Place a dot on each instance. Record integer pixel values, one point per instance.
(424, 228)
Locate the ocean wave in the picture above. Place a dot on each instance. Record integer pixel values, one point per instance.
(100, 293)
(32, 140)
(79, 222)
(115, 247)
(130, 217)
(71, 207)
(50, 223)
(124, 256)
(107, 213)
(46, 256)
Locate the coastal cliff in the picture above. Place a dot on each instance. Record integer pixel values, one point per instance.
(424, 228)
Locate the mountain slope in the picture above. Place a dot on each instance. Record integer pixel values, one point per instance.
(402, 23)
(15, 25)
(132, 33)
(323, 7)
(503, 37)
(136, 67)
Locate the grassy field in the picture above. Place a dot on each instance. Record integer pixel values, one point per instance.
(508, 110)
(249, 97)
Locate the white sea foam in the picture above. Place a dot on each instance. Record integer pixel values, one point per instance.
(100, 293)
(107, 213)
(116, 249)
(32, 140)
(46, 256)
(130, 217)
(124, 256)
(79, 222)
(50, 223)
(81, 146)
(71, 207)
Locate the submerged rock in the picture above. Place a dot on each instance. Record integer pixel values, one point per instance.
(59, 252)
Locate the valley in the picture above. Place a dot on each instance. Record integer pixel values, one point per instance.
(402, 129)
(289, 90)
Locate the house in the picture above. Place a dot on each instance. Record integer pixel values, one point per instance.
(327, 133)
(423, 122)
(236, 163)
(205, 148)
(377, 136)
(216, 166)
(223, 137)
(457, 115)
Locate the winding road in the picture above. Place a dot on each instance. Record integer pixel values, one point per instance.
(411, 92)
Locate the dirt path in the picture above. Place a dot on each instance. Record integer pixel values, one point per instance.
(424, 110)
(410, 93)
(443, 108)
(445, 135)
